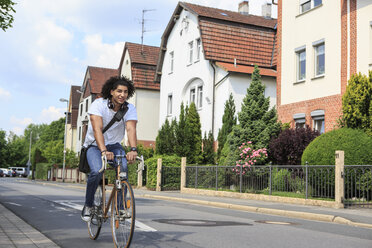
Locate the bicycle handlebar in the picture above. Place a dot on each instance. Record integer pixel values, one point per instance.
(141, 165)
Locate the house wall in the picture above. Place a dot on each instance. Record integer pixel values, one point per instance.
(185, 75)
(364, 36)
(126, 69)
(82, 117)
(302, 30)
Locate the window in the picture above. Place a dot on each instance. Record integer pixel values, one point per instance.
(318, 120)
(86, 105)
(190, 51)
(306, 5)
(198, 49)
(192, 95)
(300, 120)
(200, 97)
(169, 106)
(79, 133)
(301, 63)
(171, 60)
(319, 57)
(81, 109)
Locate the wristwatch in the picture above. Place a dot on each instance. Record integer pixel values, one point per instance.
(133, 149)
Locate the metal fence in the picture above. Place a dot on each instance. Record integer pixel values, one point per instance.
(315, 181)
(358, 186)
(171, 178)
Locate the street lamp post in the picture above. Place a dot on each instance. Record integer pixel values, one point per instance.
(64, 141)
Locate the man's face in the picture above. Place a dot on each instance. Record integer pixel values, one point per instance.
(119, 95)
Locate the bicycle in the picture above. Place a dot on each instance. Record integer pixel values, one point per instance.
(122, 204)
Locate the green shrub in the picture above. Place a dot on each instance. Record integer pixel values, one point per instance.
(285, 180)
(151, 167)
(42, 170)
(355, 143)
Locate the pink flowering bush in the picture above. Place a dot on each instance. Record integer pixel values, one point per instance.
(249, 157)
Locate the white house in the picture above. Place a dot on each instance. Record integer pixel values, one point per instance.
(322, 43)
(73, 111)
(208, 53)
(138, 63)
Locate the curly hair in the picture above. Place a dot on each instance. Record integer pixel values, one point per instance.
(113, 82)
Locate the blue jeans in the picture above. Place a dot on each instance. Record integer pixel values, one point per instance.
(95, 164)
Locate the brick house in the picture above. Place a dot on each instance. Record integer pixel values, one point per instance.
(208, 53)
(321, 44)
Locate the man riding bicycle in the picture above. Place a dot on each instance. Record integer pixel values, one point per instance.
(115, 92)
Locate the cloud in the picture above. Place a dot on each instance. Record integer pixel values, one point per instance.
(4, 94)
(19, 125)
(51, 114)
(102, 54)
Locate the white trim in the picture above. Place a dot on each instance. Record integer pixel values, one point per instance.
(319, 42)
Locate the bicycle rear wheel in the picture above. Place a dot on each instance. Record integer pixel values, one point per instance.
(123, 215)
(95, 223)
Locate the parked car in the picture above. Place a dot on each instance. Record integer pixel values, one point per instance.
(6, 172)
(22, 172)
(1, 173)
(14, 173)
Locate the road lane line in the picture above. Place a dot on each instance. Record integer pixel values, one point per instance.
(15, 204)
(139, 225)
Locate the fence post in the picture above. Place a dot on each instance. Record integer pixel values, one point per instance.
(216, 177)
(241, 178)
(183, 173)
(306, 179)
(139, 178)
(339, 179)
(158, 175)
(270, 179)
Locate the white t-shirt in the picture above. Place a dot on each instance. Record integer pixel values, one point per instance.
(115, 133)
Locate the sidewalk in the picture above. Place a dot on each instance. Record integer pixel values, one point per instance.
(14, 232)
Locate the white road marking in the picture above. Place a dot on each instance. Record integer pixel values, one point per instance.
(71, 204)
(15, 204)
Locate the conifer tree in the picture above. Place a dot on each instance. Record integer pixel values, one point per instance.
(357, 103)
(257, 123)
(228, 121)
(208, 149)
(193, 135)
(165, 140)
(181, 146)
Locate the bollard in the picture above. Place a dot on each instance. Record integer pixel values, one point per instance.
(183, 173)
(158, 175)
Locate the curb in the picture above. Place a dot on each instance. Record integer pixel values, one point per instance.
(279, 212)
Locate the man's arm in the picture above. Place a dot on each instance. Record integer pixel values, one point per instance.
(132, 138)
(97, 125)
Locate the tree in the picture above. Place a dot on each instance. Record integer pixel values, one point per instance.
(257, 123)
(165, 140)
(208, 149)
(53, 132)
(193, 135)
(228, 121)
(3, 148)
(357, 103)
(6, 18)
(180, 131)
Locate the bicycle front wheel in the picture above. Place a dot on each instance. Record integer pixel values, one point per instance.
(123, 215)
(95, 223)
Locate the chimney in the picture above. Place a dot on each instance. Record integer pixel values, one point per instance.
(266, 10)
(244, 8)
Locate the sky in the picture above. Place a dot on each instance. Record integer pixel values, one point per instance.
(52, 42)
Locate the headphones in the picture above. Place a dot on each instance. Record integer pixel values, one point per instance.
(110, 104)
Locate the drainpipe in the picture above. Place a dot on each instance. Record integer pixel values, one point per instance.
(214, 90)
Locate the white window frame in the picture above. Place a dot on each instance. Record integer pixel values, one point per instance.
(169, 104)
(310, 4)
(317, 45)
(200, 97)
(191, 51)
(198, 49)
(192, 95)
(298, 52)
(171, 61)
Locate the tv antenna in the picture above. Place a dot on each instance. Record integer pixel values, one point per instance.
(143, 25)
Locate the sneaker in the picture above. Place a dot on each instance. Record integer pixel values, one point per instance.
(85, 213)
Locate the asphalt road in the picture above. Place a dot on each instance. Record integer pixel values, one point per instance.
(55, 211)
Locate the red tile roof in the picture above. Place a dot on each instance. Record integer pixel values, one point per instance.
(229, 16)
(144, 59)
(246, 69)
(98, 77)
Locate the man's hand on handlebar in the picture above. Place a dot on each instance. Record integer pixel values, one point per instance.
(131, 156)
(109, 155)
